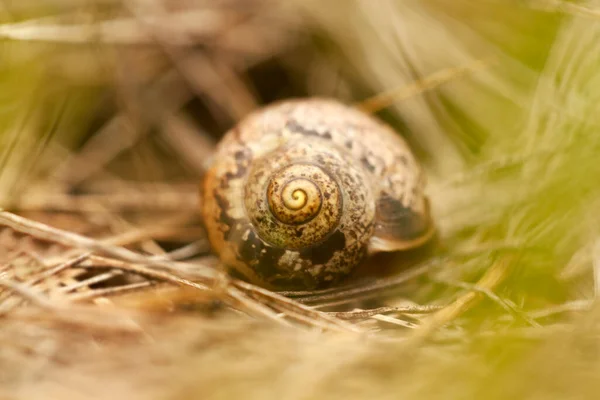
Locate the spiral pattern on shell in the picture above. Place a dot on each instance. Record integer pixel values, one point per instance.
(299, 191)
(293, 197)
(295, 203)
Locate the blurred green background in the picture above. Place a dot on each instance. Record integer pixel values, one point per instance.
(106, 90)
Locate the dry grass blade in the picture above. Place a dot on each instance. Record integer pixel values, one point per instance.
(82, 317)
(293, 308)
(70, 239)
(118, 134)
(232, 295)
(204, 77)
(168, 228)
(28, 294)
(50, 234)
(565, 7)
(386, 99)
(188, 251)
(505, 305)
(572, 306)
(394, 321)
(90, 281)
(246, 296)
(147, 266)
(72, 263)
(208, 275)
(193, 145)
(111, 291)
(173, 201)
(185, 28)
(493, 277)
(364, 314)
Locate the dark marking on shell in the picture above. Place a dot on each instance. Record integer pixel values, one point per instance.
(249, 249)
(224, 183)
(403, 160)
(264, 258)
(367, 164)
(322, 253)
(268, 262)
(224, 218)
(297, 127)
(238, 174)
(243, 159)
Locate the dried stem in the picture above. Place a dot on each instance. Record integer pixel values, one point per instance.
(386, 99)
(493, 277)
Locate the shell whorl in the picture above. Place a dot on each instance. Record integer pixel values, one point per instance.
(295, 203)
(299, 192)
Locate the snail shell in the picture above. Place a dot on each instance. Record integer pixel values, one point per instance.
(300, 191)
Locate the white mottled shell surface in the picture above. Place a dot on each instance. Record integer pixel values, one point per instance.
(300, 191)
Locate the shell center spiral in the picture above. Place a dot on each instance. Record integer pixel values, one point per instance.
(293, 205)
(295, 200)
